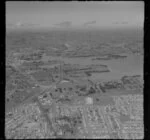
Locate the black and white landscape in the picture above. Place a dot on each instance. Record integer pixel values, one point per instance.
(74, 70)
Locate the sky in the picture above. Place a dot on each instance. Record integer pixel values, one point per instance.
(75, 14)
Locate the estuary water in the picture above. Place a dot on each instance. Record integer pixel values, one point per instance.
(131, 65)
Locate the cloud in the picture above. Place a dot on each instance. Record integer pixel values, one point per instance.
(64, 24)
(89, 23)
(20, 25)
(120, 23)
(125, 22)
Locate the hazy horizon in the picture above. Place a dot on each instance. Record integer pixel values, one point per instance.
(74, 15)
